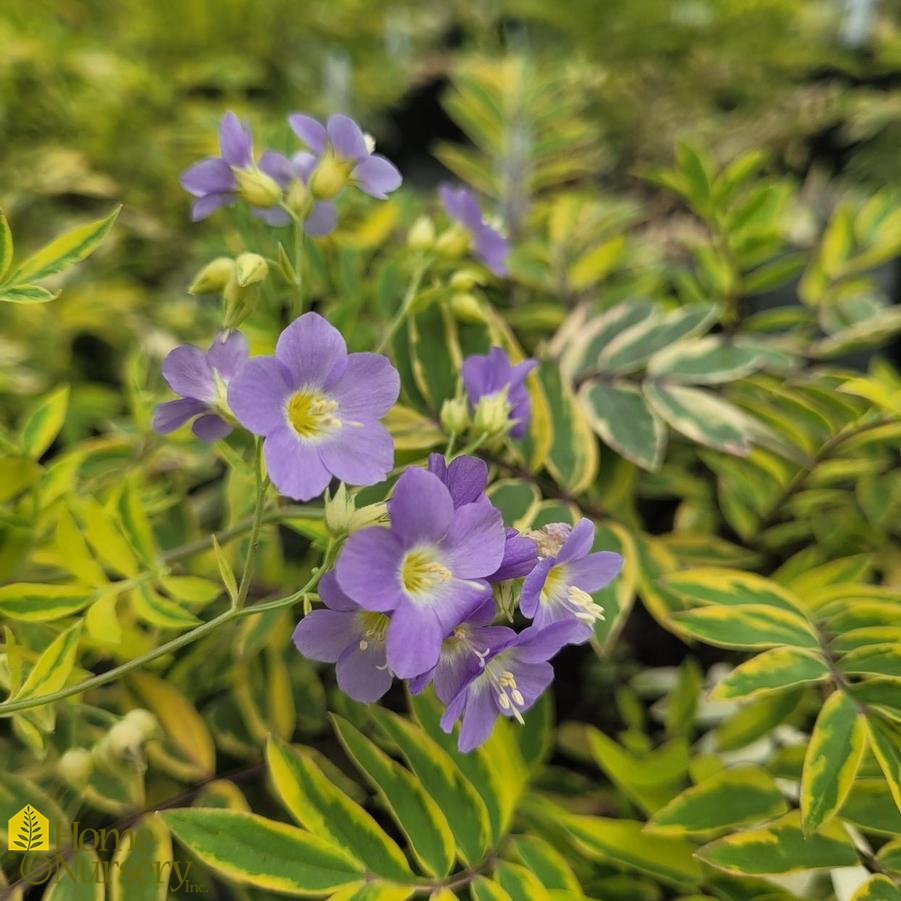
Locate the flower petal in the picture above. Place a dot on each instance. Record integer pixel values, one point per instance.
(277, 166)
(474, 547)
(347, 138)
(274, 216)
(257, 393)
(596, 570)
(530, 598)
(461, 205)
(227, 353)
(478, 719)
(303, 164)
(368, 388)
(377, 176)
(363, 673)
(211, 428)
(359, 454)
(421, 508)
(535, 644)
(208, 205)
(313, 350)
(579, 542)
(520, 557)
(325, 634)
(532, 679)
(322, 221)
(492, 249)
(368, 569)
(310, 131)
(210, 176)
(294, 465)
(171, 415)
(188, 373)
(331, 594)
(413, 641)
(235, 142)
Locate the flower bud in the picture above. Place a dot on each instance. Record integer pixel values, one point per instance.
(143, 722)
(422, 234)
(213, 277)
(465, 279)
(239, 303)
(455, 416)
(492, 414)
(258, 188)
(453, 243)
(329, 178)
(339, 509)
(75, 767)
(250, 268)
(466, 308)
(299, 200)
(367, 516)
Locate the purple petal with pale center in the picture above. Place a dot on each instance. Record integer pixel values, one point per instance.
(227, 354)
(310, 131)
(414, 640)
(171, 415)
(325, 634)
(235, 142)
(294, 466)
(211, 428)
(421, 508)
(368, 388)
(313, 350)
(368, 569)
(210, 176)
(377, 177)
(346, 138)
(474, 547)
(257, 394)
(189, 374)
(359, 454)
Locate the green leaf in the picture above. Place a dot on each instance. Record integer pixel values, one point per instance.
(703, 361)
(873, 660)
(26, 294)
(770, 671)
(746, 626)
(53, 667)
(669, 860)
(67, 249)
(519, 883)
(441, 778)
(153, 848)
(833, 757)
(700, 416)
(66, 888)
(418, 816)
(153, 608)
(586, 341)
(885, 743)
(878, 888)
(6, 245)
(780, 847)
(872, 808)
(728, 799)
(573, 458)
(484, 889)
(718, 585)
(44, 422)
(104, 533)
(34, 602)
(251, 850)
(546, 862)
(226, 573)
(373, 891)
(756, 718)
(324, 809)
(595, 263)
(617, 412)
(191, 589)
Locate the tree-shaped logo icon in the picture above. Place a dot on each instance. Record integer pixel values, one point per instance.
(29, 831)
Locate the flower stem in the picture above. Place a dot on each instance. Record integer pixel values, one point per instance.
(249, 561)
(297, 300)
(418, 272)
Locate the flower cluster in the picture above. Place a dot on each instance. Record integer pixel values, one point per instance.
(414, 600)
(302, 188)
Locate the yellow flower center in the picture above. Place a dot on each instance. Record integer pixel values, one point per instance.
(311, 414)
(420, 573)
(554, 582)
(329, 177)
(373, 627)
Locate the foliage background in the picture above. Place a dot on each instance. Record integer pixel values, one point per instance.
(724, 175)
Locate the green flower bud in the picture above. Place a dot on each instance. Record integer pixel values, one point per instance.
(213, 277)
(239, 303)
(453, 243)
(367, 516)
(466, 308)
(75, 767)
(422, 234)
(492, 415)
(250, 268)
(339, 508)
(329, 177)
(144, 723)
(455, 416)
(258, 188)
(465, 279)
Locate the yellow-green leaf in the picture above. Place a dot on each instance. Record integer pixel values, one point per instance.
(373, 891)
(6, 245)
(44, 422)
(595, 263)
(325, 810)
(411, 430)
(879, 888)
(150, 852)
(102, 622)
(833, 757)
(53, 667)
(873, 660)
(781, 847)
(484, 889)
(34, 602)
(726, 800)
(251, 850)
(885, 743)
(67, 249)
(746, 626)
(719, 585)
(104, 534)
(546, 862)
(153, 608)
(191, 589)
(770, 671)
(64, 887)
(27, 294)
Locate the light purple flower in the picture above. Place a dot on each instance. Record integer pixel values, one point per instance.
(201, 379)
(493, 377)
(216, 181)
(349, 636)
(428, 568)
(318, 408)
(466, 478)
(341, 153)
(559, 587)
(488, 244)
(515, 674)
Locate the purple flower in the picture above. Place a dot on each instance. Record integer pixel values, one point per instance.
(512, 678)
(201, 379)
(353, 638)
(497, 392)
(428, 568)
(558, 588)
(318, 408)
(217, 181)
(463, 652)
(466, 478)
(488, 245)
(342, 154)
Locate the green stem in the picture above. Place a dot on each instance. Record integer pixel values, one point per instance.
(405, 306)
(256, 526)
(297, 302)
